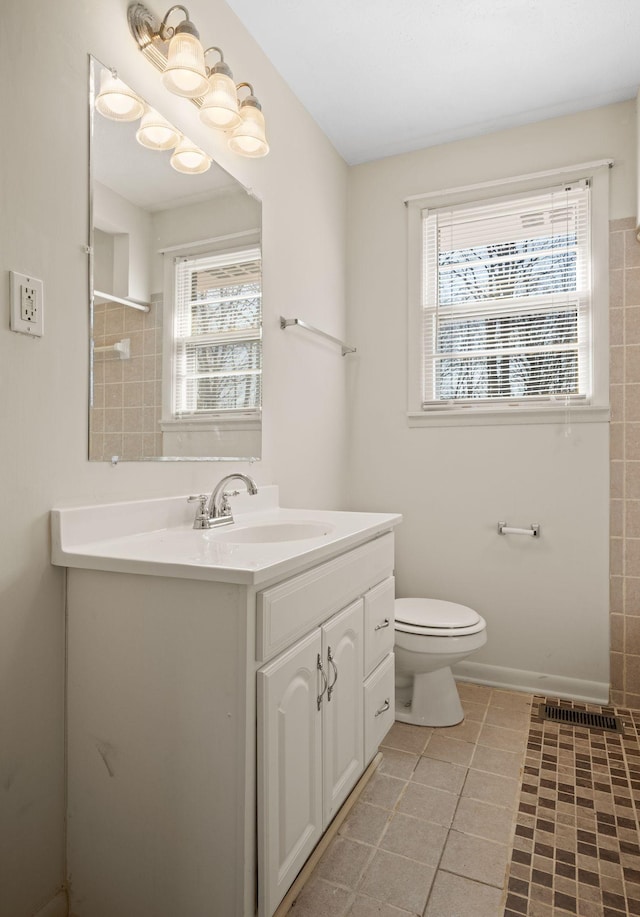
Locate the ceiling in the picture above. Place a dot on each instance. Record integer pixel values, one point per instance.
(382, 77)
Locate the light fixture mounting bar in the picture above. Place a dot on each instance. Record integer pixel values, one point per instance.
(147, 29)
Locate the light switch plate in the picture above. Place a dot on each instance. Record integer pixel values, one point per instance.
(27, 304)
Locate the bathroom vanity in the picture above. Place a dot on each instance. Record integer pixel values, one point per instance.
(226, 690)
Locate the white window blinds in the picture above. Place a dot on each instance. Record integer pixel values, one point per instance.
(217, 334)
(506, 300)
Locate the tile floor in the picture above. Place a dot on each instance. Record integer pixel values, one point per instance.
(432, 832)
(577, 844)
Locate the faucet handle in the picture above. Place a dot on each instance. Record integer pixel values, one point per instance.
(202, 513)
(225, 506)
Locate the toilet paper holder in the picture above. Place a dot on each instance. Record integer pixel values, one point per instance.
(533, 531)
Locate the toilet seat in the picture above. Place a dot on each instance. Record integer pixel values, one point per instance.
(436, 618)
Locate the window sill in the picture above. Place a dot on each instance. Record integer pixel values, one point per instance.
(229, 422)
(477, 417)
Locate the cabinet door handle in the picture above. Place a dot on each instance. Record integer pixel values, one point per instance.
(385, 623)
(324, 678)
(335, 670)
(383, 709)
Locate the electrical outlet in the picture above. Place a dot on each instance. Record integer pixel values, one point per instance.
(27, 304)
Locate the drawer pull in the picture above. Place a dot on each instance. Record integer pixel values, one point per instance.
(385, 623)
(383, 709)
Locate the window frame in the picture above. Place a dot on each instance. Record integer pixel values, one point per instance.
(505, 412)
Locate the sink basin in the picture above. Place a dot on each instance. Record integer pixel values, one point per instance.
(273, 532)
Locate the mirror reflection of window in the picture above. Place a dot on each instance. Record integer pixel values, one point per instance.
(217, 348)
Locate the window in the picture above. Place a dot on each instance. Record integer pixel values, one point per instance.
(217, 346)
(506, 303)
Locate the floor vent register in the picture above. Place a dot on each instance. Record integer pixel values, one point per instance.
(567, 716)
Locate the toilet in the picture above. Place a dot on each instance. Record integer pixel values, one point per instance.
(430, 636)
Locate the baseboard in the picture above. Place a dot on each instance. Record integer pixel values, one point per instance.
(57, 907)
(496, 676)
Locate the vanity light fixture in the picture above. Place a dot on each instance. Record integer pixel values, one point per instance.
(185, 74)
(177, 53)
(115, 100)
(248, 138)
(220, 105)
(155, 132)
(189, 158)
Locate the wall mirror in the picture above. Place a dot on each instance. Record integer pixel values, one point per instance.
(175, 296)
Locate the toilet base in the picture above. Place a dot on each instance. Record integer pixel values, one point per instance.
(434, 700)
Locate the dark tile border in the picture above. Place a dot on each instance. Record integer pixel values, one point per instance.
(577, 824)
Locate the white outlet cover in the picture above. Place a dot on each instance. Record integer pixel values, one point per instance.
(27, 289)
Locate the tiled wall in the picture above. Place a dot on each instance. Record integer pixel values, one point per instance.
(127, 393)
(625, 462)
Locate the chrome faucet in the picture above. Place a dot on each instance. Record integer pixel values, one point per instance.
(215, 510)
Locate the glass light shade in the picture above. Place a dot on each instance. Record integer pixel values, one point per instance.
(189, 159)
(116, 101)
(185, 74)
(220, 105)
(248, 138)
(155, 132)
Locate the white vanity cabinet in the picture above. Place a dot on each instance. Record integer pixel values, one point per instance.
(202, 767)
(323, 706)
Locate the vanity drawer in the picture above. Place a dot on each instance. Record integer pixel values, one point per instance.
(378, 623)
(290, 609)
(379, 706)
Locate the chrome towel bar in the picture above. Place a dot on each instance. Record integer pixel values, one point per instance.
(286, 322)
(533, 531)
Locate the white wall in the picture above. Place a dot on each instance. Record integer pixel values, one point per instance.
(546, 601)
(130, 227)
(43, 230)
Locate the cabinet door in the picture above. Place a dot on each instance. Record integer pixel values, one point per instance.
(289, 767)
(342, 708)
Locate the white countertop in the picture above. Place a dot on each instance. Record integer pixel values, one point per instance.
(157, 538)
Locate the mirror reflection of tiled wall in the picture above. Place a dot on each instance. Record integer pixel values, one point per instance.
(127, 394)
(624, 263)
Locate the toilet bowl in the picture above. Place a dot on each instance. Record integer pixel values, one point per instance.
(430, 636)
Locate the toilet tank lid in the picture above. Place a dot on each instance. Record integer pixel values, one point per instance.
(434, 613)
